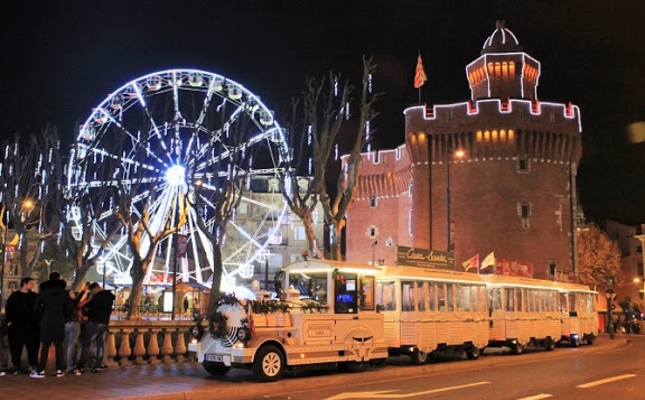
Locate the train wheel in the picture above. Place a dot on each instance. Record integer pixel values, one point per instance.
(419, 357)
(473, 353)
(549, 344)
(517, 348)
(575, 342)
(215, 368)
(590, 339)
(379, 362)
(268, 364)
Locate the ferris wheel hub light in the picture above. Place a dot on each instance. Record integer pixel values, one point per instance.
(176, 175)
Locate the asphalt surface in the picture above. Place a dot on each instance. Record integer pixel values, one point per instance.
(189, 381)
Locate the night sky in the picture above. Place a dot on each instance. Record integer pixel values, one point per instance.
(61, 59)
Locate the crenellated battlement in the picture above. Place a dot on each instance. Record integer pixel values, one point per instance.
(521, 112)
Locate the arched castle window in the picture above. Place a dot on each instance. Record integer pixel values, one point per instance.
(505, 69)
(523, 164)
(486, 136)
(511, 68)
(511, 136)
(494, 136)
(491, 71)
(497, 69)
(502, 136)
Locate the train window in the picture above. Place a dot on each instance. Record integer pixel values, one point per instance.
(563, 303)
(468, 290)
(459, 298)
(450, 297)
(495, 299)
(441, 297)
(510, 299)
(432, 296)
(346, 295)
(407, 296)
(310, 286)
(573, 304)
(385, 295)
(419, 295)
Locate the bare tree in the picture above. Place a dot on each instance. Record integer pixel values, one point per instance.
(88, 223)
(30, 178)
(598, 258)
(222, 190)
(318, 117)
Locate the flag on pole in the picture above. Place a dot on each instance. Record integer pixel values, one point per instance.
(488, 261)
(472, 262)
(419, 75)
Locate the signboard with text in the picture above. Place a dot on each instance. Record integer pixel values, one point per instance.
(513, 268)
(416, 257)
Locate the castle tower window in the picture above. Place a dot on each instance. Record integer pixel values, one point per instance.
(502, 136)
(490, 69)
(524, 210)
(479, 136)
(410, 189)
(373, 202)
(511, 68)
(523, 164)
(494, 136)
(451, 115)
(498, 68)
(552, 116)
(410, 222)
(511, 135)
(505, 69)
(486, 136)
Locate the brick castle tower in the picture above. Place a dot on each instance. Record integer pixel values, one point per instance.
(511, 192)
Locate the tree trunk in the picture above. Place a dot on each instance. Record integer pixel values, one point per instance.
(217, 279)
(335, 247)
(311, 236)
(137, 273)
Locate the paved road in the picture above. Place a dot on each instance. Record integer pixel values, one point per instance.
(189, 381)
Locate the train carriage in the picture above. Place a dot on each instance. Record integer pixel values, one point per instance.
(328, 317)
(578, 314)
(523, 312)
(429, 310)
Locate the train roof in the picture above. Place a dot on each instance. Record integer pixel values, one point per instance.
(504, 280)
(329, 265)
(409, 272)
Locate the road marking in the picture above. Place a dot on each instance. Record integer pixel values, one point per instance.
(388, 395)
(537, 397)
(603, 381)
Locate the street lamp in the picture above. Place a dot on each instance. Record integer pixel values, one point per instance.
(610, 297)
(457, 154)
(265, 255)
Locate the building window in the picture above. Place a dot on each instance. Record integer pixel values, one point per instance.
(524, 210)
(373, 202)
(521, 114)
(410, 232)
(640, 269)
(13, 270)
(639, 249)
(372, 231)
(523, 164)
(299, 233)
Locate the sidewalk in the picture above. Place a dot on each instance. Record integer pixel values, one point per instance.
(189, 381)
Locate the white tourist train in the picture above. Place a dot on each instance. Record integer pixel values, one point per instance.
(355, 314)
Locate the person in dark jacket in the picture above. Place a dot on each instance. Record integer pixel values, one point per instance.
(22, 325)
(99, 309)
(54, 306)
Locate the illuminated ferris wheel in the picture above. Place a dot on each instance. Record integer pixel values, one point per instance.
(176, 135)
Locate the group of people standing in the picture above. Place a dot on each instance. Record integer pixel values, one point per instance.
(60, 318)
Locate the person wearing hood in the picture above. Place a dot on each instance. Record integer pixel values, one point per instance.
(54, 307)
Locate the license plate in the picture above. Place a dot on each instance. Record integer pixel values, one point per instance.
(213, 357)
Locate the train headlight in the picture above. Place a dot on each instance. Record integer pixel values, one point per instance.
(244, 334)
(197, 332)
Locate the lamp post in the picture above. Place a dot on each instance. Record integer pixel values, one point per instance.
(264, 256)
(458, 154)
(610, 297)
